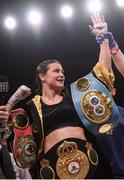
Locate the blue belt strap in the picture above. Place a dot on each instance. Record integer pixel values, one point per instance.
(77, 96)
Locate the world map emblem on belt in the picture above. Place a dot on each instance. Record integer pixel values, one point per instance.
(26, 150)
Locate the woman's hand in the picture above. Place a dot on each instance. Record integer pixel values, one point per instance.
(4, 114)
(99, 25)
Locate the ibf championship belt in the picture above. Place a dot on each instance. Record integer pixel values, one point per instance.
(24, 147)
(94, 104)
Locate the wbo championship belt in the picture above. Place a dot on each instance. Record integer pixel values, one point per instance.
(24, 147)
(94, 104)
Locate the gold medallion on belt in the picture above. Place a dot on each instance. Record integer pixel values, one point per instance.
(72, 163)
(96, 106)
(46, 171)
(82, 84)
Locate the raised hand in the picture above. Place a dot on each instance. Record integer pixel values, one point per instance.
(99, 25)
(21, 93)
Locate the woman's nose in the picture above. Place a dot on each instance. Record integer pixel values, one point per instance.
(61, 74)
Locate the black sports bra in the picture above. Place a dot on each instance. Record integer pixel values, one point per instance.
(60, 115)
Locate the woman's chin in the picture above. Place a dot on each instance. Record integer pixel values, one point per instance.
(60, 87)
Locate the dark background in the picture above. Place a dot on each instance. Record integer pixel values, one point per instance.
(67, 40)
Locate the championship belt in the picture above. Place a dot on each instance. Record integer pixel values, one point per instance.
(72, 163)
(94, 104)
(24, 147)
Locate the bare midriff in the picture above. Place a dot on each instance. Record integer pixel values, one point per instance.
(62, 133)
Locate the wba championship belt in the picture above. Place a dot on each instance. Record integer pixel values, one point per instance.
(24, 147)
(72, 163)
(94, 104)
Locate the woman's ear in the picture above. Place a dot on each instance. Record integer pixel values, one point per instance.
(41, 77)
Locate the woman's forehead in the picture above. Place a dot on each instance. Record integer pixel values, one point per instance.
(55, 65)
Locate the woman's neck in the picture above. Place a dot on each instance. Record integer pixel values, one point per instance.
(51, 97)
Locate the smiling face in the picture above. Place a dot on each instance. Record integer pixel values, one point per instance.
(54, 77)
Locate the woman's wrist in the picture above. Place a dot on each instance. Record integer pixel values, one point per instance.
(115, 50)
(106, 35)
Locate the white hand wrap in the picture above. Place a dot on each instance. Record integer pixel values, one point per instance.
(21, 93)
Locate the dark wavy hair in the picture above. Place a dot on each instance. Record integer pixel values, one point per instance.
(43, 68)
